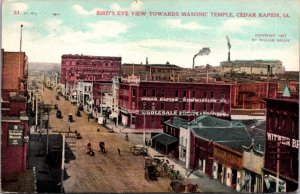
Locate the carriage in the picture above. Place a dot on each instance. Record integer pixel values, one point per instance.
(178, 186)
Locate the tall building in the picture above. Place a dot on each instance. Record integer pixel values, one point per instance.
(281, 161)
(14, 121)
(148, 104)
(253, 66)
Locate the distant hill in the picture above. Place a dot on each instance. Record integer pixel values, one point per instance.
(41, 66)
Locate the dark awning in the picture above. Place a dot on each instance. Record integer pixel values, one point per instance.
(164, 139)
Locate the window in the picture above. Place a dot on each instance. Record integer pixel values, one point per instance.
(184, 93)
(204, 106)
(222, 107)
(133, 92)
(211, 106)
(152, 121)
(193, 94)
(222, 95)
(133, 106)
(193, 105)
(175, 105)
(162, 105)
(145, 92)
(176, 93)
(183, 105)
(144, 105)
(212, 95)
(153, 105)
(163, 93)
(153, 92)
(204, 95)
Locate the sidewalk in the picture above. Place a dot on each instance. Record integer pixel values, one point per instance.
(205, 183)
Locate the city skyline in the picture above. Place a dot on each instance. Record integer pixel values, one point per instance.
(54, 28)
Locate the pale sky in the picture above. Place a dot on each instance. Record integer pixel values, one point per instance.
(53, 28)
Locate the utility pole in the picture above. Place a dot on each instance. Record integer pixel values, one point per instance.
(62, 163)
(47, 144)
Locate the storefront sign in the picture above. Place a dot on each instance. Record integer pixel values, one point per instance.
(163, 99)
(181, 113)
(283, 140)
(228, 159)
(15, 135)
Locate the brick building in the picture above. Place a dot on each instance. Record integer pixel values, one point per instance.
(155, 102)
(250, 95)
(98, 70)
(282, 145)
(153, 72)
(14, 123)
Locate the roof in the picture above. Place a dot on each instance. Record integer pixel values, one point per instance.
(164, 138)
(232, 134)
(177, 122)
(212, 122)
(286, 92)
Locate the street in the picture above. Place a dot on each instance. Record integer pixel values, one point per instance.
(104, 172)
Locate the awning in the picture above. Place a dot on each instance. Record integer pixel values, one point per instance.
(164, 139)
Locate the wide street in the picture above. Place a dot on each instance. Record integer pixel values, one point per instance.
(103, 172)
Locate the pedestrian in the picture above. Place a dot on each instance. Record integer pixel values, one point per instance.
(146, 141)
(119, 151)
(89, 147)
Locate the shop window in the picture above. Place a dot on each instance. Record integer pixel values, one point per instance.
(214, 168)
(204, 106)
(193, 106)
(183, 105)
(222, 107)
(228, 175)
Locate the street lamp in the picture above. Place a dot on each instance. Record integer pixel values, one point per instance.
(203, 51)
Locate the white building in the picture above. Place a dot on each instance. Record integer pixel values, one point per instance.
(258, 67)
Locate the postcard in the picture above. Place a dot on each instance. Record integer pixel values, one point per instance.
(135, 123)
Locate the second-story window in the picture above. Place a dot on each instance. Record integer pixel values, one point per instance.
(183, 105)
(133, 106)
(204, 95)
(153, 92)
(133, 93)
(153, 105)
(176, 93)
(162, 105)
(145, 92)
(222, 95)
(193, 94)
(212, 95)
(163, 93)
(184, 93)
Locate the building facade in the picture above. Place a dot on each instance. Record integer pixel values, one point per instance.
(98, 70)
(282, 146)
(156, 102)
(250, 95)
(14, 122)
(253, 67)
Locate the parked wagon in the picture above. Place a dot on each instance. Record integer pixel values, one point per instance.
(139, 150)
(178, 186)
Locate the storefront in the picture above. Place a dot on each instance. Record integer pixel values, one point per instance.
(227, 166)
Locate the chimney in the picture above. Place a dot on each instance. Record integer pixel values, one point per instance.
(147, 61)
(229, 56)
